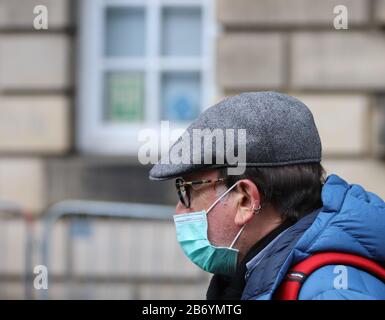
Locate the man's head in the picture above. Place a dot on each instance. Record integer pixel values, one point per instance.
(262, 199)
(282, 176)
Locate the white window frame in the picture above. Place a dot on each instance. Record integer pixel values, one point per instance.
(122, 139)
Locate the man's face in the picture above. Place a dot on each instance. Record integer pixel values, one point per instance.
(221, 226)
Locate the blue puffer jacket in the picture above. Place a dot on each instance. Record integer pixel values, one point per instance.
(351, 220)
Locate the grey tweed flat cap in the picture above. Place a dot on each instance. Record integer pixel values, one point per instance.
(273, 129)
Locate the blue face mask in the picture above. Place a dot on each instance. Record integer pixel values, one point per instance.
(191, 231)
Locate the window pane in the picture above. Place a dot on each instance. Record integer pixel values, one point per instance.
(124, 96)
(181, 31)
(181, 96)
(125, 32)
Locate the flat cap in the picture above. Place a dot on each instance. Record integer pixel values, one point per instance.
(267, 128)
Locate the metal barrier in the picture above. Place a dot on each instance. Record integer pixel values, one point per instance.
(14, 211)
(99, 209)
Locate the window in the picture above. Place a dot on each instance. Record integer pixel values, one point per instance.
(141, 62)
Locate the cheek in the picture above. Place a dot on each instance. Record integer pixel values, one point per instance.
(221, 227)
(202, 200)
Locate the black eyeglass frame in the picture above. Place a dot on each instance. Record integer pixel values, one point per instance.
(184, 191)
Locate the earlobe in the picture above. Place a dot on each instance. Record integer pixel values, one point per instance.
(244, 215)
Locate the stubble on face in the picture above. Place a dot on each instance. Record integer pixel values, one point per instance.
(221, 227)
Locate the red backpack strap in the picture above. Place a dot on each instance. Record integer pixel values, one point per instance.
(291, 285)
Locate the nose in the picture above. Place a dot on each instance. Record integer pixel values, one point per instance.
(180, 208)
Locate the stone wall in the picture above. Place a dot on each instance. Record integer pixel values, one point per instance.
(293, 47)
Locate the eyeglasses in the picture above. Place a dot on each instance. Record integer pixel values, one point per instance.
(183, 188)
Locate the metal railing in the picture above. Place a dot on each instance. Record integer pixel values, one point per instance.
(79, 209)
(13, 210)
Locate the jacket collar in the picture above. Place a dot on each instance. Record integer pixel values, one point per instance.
(275, 259)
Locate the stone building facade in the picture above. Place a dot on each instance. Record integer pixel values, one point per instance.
(288, 46)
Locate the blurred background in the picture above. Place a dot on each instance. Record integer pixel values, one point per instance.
(73, 98)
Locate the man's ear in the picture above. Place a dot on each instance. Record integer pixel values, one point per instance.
(248, 198)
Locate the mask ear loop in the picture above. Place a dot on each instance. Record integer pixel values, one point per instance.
(237, 236)
(255, 211)
(216, 201)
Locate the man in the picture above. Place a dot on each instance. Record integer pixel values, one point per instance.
(249, 229)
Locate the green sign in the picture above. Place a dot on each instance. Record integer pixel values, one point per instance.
(125, 97)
